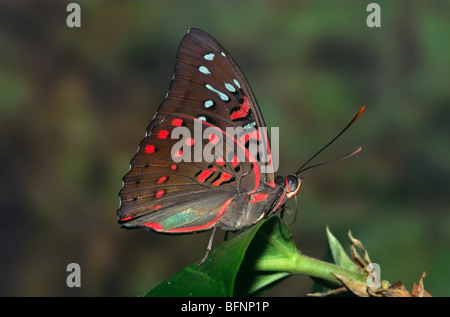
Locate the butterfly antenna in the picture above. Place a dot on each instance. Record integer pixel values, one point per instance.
(302, 168)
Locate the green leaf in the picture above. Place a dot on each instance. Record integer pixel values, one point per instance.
(271, 246)
(226, 267)
(340, 257)
(337, 254)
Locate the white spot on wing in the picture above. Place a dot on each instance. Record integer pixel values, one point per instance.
(249, 125)
(204, 70)
(230, 87)
(221, 94)
(209, 103)
(209, 56)
(237, 83)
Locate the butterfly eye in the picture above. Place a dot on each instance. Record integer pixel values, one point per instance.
(293, 185)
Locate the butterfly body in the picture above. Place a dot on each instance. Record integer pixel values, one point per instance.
(171, 187)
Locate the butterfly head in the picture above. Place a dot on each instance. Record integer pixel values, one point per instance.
(291, 184)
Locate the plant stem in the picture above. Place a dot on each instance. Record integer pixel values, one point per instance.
(303, 264)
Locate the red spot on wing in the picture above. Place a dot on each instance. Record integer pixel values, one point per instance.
(178, 154)
(163, 134)
(189, 141)
(271, 184)
(173, 167)
(243, 110)
(214, 139)
(160, 193)
(205, 174)
(157, 207)
(223, 178)
(162, 179)
(150, 149)
(154, 225)
(177, 122)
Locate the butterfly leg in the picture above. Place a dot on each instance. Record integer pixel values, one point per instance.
(209, 247)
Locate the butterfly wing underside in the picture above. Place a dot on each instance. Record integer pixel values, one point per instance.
(208, 90)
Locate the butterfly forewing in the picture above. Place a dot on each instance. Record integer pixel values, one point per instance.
(207, 76)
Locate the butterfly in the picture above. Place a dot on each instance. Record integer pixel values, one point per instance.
(235, 188)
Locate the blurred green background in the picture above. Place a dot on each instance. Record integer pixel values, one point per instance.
(75, 103)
